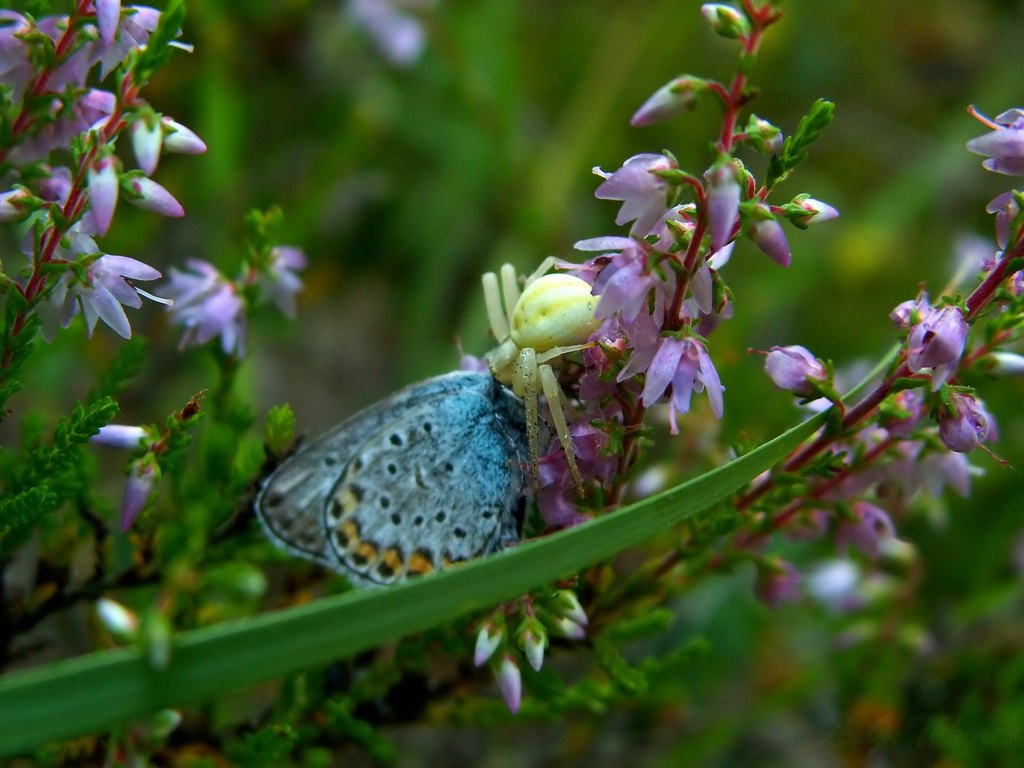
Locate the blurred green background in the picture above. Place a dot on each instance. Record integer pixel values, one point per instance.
(403, 184)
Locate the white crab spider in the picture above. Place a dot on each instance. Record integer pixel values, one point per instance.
(554, 315)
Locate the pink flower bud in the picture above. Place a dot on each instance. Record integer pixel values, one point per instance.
(568, 605)
(866, 530)
(791, 368)
(178, 138)
(147, 138)
(141, 477)
(510, 683)
(568, 628)
(725, 20)
(120, 436)
(532, 643)
(723, 203)
(768, 235)
(938, 340)
(805, 211)
(964, 426)
(674, 97)
(151, 196)
(103, 184)
(10, 204)
(121, 623)
(487, 641)
(777, 582)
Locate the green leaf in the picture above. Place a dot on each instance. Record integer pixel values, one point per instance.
(795, 147)
(108, 687)
(157, 52)
(651, 622)
(266, 747)
(630, 680)
(280, 429)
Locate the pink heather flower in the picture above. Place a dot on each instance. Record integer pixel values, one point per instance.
(207, 304)
(644, 195)
(722, 203)
(487, 641)
(835, 584)
(103, 181)
(686, 366)
(532, 641)
(911, 401)
(1007, 363)
(1005, 208)
(569, 629)
(935, 470)
(178, 138)
(107, 14)
(1004, 146)
(15, 65)
(768, 235)
(626, 288)
(150, 196)
(279, 281)
(702, 285)
(805, 211)
(643, 337)
(869, 526)
(777, 582)
(133, 30)
(766, 137)
(966, 426)
(147, 138)
(56, 186)
(725, 20)
(121, 436)
(120, 622)
(510, 682)
(674, 97)
(555, 481)
(567, 605)
(142, 475)
(937, 342)
(910, 312)
(90, 111)
(110, 285)
(11, 204)
(791, 368)
(399, 36)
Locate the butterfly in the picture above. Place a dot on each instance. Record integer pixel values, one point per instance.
(430, 476)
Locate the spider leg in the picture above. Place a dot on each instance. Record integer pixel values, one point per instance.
(525, 385)
(509, 288)
(553, 393)
(492, 298)
(539, 271)
(554, 352)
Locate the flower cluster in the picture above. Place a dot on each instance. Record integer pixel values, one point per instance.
(208, 304)
(661, 295)
(911, 432)
(660, 287)
(62, 207)
(558, 613)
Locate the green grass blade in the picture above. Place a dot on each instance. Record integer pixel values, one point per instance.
(102, 689)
